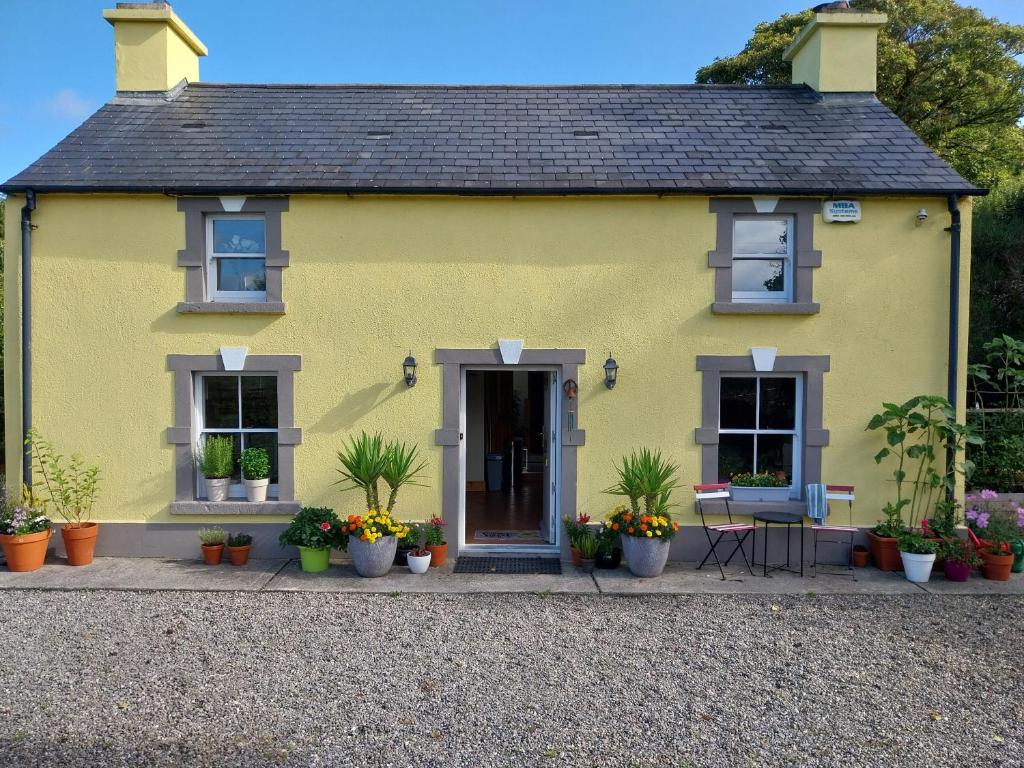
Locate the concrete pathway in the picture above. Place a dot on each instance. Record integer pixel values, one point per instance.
(283, 575)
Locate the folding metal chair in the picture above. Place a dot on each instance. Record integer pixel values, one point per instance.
(837, 493)
(739, 531)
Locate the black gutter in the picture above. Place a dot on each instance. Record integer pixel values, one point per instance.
(26, 330)
(954, 297)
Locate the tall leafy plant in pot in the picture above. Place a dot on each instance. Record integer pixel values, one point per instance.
(215, 458)
(255, 463)
(70, 487)
(647, 480)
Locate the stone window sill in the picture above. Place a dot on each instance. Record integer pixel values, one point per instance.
(763, 308)
(231, 308)
(235, 507)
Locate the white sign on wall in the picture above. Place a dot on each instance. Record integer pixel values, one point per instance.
(840, 210)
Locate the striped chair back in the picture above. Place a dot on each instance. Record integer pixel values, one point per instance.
(712, 492)
(841, 493)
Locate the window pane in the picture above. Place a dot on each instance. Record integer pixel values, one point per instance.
(738, 404)
(236, 475)
(220, 402)
(759, 275)
(735, 454)
(241, 274)
(238, 236)
(759, 237)
(778, 403)
(775, 454)
(266, 440)
(259, 402)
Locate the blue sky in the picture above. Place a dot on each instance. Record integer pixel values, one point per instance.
(60, 59)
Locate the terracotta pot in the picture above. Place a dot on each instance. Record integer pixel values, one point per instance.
(956, 571)
(239, 555)
(577, 558)
(885, 552)
(25, 552)
(438, 553)
(212, 553)
(860, 556)
(80, 542)
(996, 566)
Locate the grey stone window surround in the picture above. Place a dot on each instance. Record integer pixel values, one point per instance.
(449, 436)
(193, 257)
(815, 436)
(182, 434)
(805, 258)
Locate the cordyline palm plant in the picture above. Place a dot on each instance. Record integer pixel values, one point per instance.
(367, 460)
(647, 477)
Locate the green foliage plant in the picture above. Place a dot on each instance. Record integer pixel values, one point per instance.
(996, 388)
(588, 546)
(575, 528)
(759, 480)
(239, 540)
(913, 543)
(434, 532)
(917, 434)
(402, 466)
(68, 484)
(255, 463)
(215, 457)
(212, 536)
(959, 551)
(362, 464)
(644, 476)
(314, 527)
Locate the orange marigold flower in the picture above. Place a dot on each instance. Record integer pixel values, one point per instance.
(363, 537)
(629, 530)
(675, 526)
(643, 526)
(615, 526)
(628, 516)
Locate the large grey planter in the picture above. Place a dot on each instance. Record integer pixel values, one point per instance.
(373, 560)
(646, 558)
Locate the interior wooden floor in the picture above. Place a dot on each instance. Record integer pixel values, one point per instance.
(519, 510)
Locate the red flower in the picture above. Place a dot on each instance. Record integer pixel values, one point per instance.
(325, 526)
(583, 519)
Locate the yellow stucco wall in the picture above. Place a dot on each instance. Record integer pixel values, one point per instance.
(373, 277)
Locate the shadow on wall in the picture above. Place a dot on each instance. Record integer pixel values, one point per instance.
(354, 406)
(171, 322)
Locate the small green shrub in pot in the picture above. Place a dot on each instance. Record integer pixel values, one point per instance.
(255, 463)
(238, 548)
(215, 458)
(588, 546)
(918, 555)
(212, 541)
(314, 530)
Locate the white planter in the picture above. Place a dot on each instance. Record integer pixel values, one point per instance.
(917, 568)
(256, 490)
(217, 488)
(418, 563)
(745, 493)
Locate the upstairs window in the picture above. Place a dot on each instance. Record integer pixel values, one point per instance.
(759, 426)
(236, 258)
(762, 259)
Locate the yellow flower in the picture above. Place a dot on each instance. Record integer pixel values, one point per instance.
(657, 532)
(649, 533)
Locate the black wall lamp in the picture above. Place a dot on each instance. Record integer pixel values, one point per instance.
(409, 369)
(611, 372)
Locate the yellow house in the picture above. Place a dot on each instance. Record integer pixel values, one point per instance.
(526, 281)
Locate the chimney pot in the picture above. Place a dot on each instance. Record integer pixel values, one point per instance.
(153, 49)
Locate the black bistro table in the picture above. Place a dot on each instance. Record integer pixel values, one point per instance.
(788, 519)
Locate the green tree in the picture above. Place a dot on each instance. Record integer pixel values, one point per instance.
(997, 266)
(948, 71)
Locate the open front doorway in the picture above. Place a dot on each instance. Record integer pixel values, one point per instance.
(510, 473)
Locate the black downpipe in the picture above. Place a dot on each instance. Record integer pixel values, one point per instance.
(954, 296)
(26, 330)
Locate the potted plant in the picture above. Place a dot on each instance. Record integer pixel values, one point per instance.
(918, 434)
(993, 527)
(255, 463)
(918, 555)
(760, 486)
(435, 541)
(418, 557)
(609, 553)
(70, 487)
(959, 559)
(212, 543)
(215, 459)
(372, 541)
(646, 479)
(575, 529)
(314, 530)
(239, 545)
(25, 532)
(588, 546)
(941, 526)
(860, 556)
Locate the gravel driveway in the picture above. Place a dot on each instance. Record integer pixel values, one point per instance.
(263, 679)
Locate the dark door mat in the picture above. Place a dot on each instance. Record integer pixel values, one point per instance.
(509, 565)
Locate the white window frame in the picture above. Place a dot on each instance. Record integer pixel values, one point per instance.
(235, 490)
(212, 291)
(786, 296)
(798, 422)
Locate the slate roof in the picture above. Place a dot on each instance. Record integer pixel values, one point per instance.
(209, 138)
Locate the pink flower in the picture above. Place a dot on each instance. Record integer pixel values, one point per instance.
(972, 513)
(325, 526)
(982, 521)
(989, 494)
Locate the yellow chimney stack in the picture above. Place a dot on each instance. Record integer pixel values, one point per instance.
(153, 49)
(837, 52)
